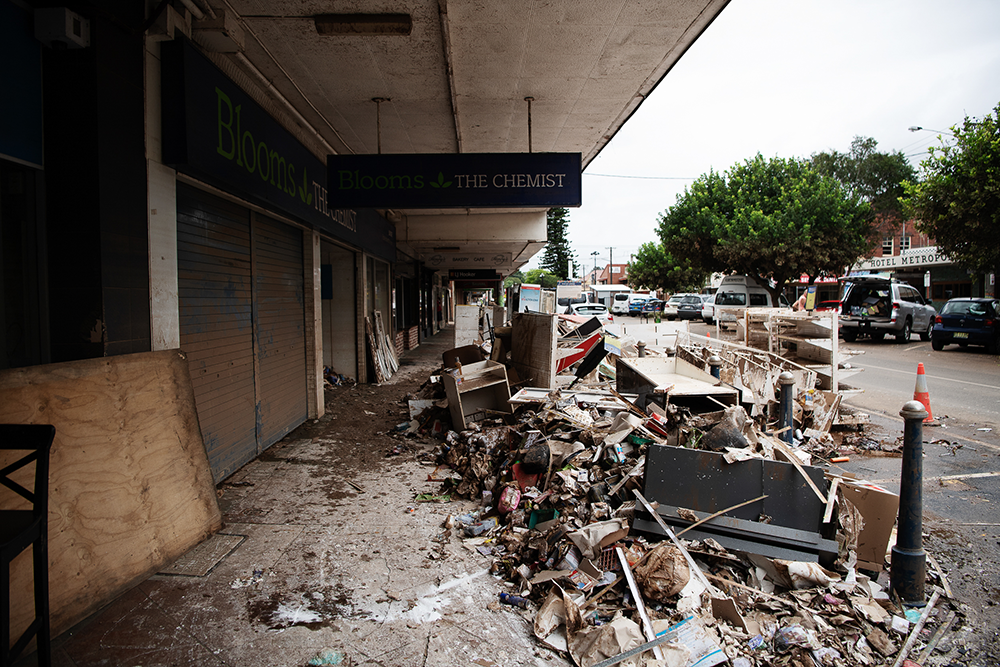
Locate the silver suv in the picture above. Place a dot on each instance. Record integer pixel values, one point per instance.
(873, 306)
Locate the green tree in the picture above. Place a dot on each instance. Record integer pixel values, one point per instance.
(542, 277)
(515, 278)
(958, 202)
(558, 258)
(874, 177)
(653, 268)
(770, 219)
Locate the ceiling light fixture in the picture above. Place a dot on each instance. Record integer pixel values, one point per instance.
(529, 100)
(378, 119)
(363, 24)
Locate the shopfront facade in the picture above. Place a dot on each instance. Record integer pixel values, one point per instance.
(273, 287)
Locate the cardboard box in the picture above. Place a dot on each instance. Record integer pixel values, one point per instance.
(879, 508)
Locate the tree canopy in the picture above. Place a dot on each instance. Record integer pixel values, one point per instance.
(958, 201)
(542, 277)
(515, 278)
(873, 177)
(653, 268)
(558, 258)
(771, 219)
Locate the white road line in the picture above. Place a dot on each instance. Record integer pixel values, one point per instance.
(946, 478)
(971, 475)
(932, 377)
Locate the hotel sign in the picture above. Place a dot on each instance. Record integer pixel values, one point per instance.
(913, 258)
(465, 180)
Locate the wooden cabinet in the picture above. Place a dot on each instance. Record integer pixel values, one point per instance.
(481, 392)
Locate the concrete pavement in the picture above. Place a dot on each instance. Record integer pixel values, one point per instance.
(309, 570)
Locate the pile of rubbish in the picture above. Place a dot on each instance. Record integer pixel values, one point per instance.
(658, 534)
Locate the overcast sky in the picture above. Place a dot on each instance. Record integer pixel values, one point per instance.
(789, 78)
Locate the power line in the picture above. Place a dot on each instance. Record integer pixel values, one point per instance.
(653, 178)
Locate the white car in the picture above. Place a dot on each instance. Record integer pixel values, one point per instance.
(708, 308)
(598, 310)
(670, 307)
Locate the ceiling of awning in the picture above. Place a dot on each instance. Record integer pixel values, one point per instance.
(457, 82)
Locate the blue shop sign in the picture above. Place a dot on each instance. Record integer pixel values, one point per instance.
(465, 180)
(215, 131)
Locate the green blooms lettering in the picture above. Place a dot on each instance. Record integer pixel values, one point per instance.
(255, 156)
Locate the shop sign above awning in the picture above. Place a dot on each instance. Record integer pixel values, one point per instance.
(466, 180)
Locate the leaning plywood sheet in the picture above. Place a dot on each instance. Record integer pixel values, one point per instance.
(533, 348)
(130, 488)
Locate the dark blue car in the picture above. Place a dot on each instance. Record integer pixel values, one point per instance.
(968, 322)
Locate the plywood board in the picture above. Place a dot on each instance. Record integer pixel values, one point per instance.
(130, 488)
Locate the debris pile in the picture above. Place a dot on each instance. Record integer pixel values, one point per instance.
(639, 530)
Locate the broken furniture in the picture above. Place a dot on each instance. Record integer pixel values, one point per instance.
(787, 524)
(810, 339)
(663, 380)
(479, 392)
(467, 354)
(533, 348)
(24, 528)
(467, 325)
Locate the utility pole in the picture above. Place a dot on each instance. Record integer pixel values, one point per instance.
(611, 266)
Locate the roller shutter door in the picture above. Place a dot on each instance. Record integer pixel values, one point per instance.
(242, 326)
(216, 323)
(279, 319)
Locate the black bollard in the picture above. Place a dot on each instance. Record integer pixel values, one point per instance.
(715, 365)
(909, 567)
(786, 381)
(641, 346)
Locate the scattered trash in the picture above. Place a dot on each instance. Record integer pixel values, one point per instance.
(254, 579)
(781, 573)
(514, 600)
(329, 657)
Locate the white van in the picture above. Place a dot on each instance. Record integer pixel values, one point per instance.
(739, 292)
(619, 303)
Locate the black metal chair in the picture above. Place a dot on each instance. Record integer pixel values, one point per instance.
(21, 528)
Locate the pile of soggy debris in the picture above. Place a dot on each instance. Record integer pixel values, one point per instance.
(644, 532)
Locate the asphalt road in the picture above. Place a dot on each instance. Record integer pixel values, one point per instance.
(964, 384)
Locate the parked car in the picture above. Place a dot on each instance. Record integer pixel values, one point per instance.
(874, 306)
(598, 310)
(636, 303)
(968, 322)
(670, 307)
(619, 303)
(652, 306)
(689, 307)
(739, 292)
(708, 309)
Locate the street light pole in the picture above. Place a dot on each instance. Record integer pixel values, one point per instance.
(918, 128)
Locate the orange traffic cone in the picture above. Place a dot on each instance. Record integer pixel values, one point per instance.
(921, 394)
